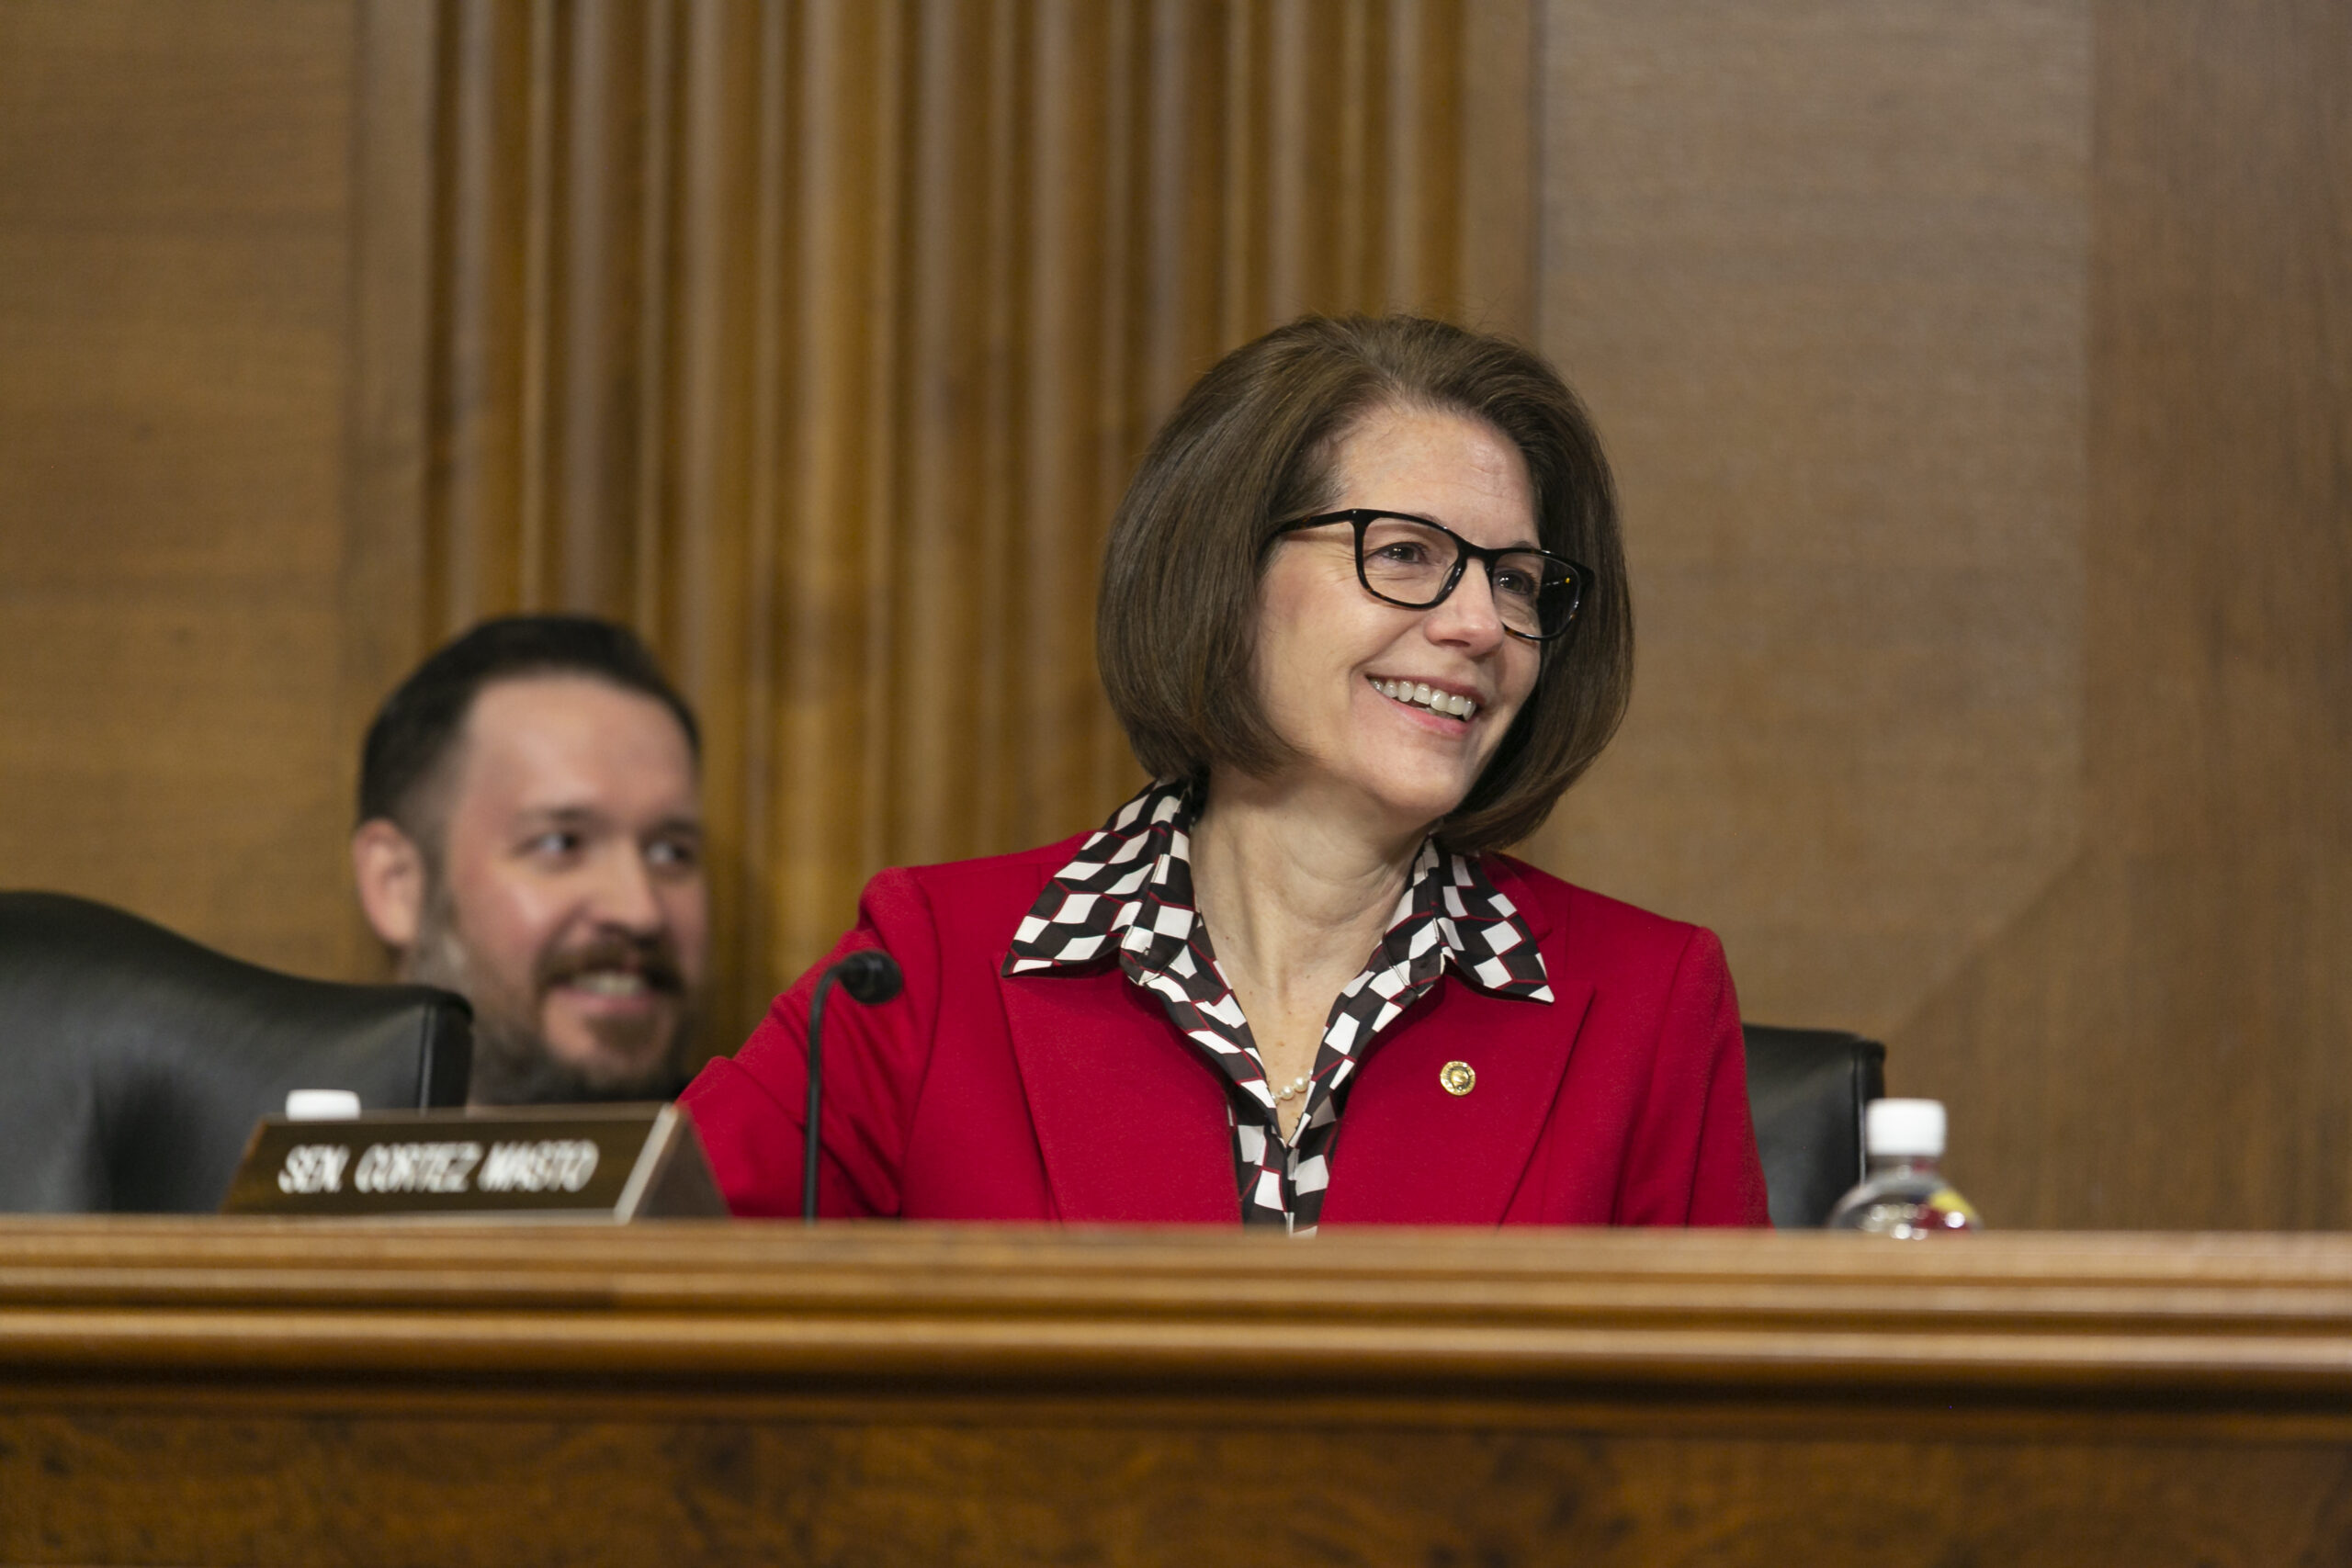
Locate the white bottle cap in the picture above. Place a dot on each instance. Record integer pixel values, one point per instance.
(321, 1105)
(1903, 1127)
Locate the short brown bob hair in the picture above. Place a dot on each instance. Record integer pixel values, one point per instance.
(1254, 444)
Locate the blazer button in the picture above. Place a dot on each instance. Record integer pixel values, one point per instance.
(1457, 1077)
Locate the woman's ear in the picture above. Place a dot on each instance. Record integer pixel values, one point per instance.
(389, 871)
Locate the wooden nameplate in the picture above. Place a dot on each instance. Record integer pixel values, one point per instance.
(592, 1163)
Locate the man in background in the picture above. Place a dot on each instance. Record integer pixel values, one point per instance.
(529, 837)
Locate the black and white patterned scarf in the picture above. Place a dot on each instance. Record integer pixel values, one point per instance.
(1129, 890)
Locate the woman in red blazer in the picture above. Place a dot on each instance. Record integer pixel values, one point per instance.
(1364, 617)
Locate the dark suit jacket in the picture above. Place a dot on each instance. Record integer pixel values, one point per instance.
(1072, 1098)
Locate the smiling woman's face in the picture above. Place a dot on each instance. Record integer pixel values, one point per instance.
(1347, 679)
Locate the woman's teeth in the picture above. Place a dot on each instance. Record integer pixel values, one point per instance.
(1420, 697)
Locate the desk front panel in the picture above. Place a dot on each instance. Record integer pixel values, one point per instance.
(217, 1392)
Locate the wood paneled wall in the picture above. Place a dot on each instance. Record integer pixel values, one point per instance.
(816, 340)
(1973, 373)
(2164, 1037)
(175, 239)
(1822, 271)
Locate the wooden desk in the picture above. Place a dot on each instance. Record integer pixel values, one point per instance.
(214, 1392)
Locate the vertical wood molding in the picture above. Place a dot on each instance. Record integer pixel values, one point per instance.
(383, 620)
(474, 521)
(816, 339)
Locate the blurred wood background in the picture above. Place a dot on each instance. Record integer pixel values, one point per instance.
(1975, 377)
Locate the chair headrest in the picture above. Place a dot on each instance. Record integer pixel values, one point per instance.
(139, 1061)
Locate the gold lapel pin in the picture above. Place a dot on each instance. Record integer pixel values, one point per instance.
(1457, 1077)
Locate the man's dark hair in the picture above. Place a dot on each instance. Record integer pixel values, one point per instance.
(1254, 444)
(420, 723)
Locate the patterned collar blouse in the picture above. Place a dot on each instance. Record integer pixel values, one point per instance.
(1128, 894)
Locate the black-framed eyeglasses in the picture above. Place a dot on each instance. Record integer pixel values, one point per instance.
(1414, 562)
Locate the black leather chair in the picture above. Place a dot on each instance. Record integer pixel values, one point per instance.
(134, 1062)
(1806, 1088)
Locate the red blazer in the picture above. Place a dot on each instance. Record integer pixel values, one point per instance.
(1064, 1097)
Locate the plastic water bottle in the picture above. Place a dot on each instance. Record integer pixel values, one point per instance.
(1905, 1195)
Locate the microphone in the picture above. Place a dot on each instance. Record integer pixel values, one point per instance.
(870, 975)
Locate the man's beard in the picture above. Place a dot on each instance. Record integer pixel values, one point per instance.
(513, 1062)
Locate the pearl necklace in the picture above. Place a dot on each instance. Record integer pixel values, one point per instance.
(1296, 1087)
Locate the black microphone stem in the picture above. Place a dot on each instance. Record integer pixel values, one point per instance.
(870, 975)
(810, 1136)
